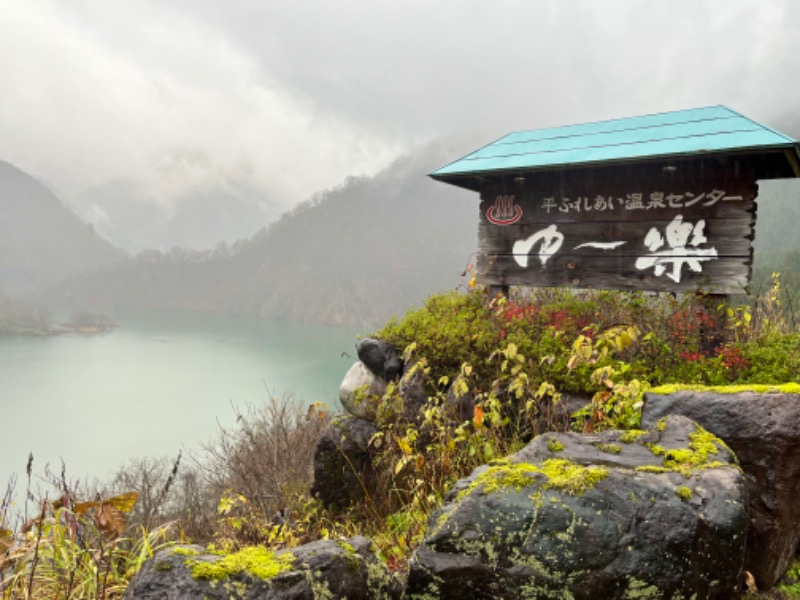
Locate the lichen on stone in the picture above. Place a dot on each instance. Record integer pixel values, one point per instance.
(642, 589)
(162, 565)
(609, 448)
(561, 474)
(256, 561)
(346, 547)
(630, 436)
(786, 388)
(702, 444)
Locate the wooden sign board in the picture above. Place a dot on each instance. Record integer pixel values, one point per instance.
(660, 234)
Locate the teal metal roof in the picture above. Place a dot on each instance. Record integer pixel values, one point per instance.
(713, 129)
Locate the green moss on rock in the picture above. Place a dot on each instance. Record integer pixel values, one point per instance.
(683, 492)
(162, 565)
(561, 474)
(256, 561)
(609, 448)
(702, 445)
(786, 388)
(630, 436)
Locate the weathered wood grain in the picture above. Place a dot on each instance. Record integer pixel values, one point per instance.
(597, 228)
(726, 275)
(730, 237)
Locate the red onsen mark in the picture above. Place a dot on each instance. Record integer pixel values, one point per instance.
(504, 211)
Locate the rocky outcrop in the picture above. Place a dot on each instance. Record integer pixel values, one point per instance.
(764, 431)
(360, 391)
(412, 390)
(380, 357)
(343, 471)
(324, 569)
(615, 515)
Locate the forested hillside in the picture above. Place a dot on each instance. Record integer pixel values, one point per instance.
(41, 241)
(354, 254)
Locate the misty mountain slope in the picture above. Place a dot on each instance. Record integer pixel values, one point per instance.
(355, 254)
(41, 241)
(133, 216)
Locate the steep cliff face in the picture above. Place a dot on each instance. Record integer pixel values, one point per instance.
(41, 241)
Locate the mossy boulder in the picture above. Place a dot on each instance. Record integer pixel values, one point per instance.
(324, 569)
(661, 515)
(762, 425)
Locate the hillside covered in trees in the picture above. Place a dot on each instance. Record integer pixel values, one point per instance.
(354, 254)
(41, 240)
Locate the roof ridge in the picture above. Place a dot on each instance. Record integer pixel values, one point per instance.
(658, 114)
(687, 132)
(607, 132)
(632, 143)
(775, 131)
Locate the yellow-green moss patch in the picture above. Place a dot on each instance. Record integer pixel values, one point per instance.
(702, 444)
(786, 388)
(564, 475)
(630, 436)
(554, 445)
(609, 448)
(185, 551)
(256, 561)
(683, 492)
(570, 477)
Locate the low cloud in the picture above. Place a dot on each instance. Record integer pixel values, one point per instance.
(286, 98)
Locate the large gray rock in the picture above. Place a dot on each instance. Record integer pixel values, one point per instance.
(324, 569)
(343, 471)
(360, 391)
(380, 357)
(764, 431)
(611, 515)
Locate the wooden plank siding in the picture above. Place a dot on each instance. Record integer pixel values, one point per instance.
(657, 232)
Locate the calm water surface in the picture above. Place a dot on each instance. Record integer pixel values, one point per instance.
(158, 383)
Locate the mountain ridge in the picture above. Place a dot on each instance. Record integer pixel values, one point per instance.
(41, 240)
(354, 254)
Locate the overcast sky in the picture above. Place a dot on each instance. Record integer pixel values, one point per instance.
(287, 97)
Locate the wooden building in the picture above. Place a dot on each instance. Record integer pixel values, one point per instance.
(663, 202)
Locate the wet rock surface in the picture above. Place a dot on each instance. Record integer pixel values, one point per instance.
(343, 470)
(614, 515)
(324, 569)
(764, 431)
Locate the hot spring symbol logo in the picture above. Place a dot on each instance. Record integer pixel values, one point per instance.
(504, 211)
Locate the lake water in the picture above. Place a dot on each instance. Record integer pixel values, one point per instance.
(158, 383)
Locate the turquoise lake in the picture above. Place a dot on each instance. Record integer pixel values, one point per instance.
(159, 383)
